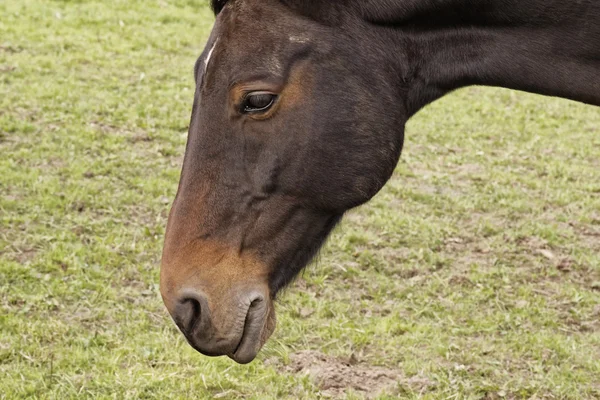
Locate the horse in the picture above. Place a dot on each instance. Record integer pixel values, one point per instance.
(298, 116)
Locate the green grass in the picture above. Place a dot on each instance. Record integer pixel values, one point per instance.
(474, 274)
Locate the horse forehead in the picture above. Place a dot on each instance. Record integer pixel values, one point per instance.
(266, 49)
(255, 34)
(261, 19)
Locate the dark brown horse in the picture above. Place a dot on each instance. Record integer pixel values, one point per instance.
(299, 116)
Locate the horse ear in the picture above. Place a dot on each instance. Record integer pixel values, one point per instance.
(217, 5)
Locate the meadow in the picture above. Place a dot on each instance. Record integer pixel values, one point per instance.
(475, 273)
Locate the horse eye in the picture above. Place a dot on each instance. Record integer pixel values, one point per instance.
(258, 102)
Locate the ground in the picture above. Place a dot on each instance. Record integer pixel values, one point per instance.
(475, 274)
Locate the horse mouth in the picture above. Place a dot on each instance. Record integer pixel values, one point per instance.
(254, 333)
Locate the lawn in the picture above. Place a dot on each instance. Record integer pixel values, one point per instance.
(475, 273)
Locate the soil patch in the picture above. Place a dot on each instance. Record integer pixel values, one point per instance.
(335, 376)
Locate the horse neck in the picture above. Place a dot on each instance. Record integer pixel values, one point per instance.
(550, 47)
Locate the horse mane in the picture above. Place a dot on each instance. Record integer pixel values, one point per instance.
(217, 5)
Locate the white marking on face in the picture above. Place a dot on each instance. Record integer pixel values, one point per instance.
(207, 60)
(274, 65)
(298, 39)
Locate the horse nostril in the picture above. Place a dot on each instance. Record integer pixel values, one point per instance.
(255, 303)
(189, 312)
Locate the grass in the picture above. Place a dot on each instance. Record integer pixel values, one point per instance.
(474, 274)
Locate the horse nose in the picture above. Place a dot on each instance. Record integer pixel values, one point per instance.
(189, 311)
(234, 328)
